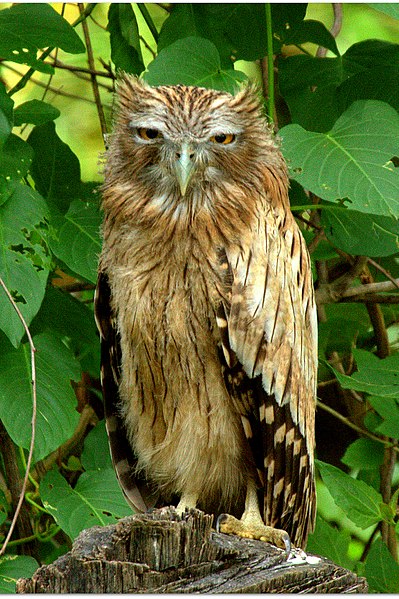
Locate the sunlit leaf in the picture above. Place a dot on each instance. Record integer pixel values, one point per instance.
(353, 161)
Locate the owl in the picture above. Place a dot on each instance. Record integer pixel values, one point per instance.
(206, 312)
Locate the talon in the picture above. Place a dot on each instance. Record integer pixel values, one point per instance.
(220, 519)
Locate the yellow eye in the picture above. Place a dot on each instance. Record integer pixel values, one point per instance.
(223, 138)
(148, 134)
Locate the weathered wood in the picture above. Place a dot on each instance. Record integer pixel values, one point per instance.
(163, 552)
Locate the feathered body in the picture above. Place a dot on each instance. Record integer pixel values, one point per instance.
(206, 309)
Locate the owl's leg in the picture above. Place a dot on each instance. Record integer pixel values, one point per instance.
(187, 501)
(251, 525)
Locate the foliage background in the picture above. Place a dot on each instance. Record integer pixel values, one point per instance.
(337, 114)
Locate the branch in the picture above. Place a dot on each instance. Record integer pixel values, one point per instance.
(49, 87)
(355, 427)
(333, 292)
(81, 71)
(33, 421)
(93, 77)
(87, 417)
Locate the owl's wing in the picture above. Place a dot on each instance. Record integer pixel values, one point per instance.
(133, 485)
(272, 331)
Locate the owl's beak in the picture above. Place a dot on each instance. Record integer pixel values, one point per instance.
(184, 166)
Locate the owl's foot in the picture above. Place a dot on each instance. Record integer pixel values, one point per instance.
(251, 527)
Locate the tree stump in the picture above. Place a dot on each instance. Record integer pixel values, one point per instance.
(163, 552)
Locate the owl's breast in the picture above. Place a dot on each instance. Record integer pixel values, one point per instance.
(178, 411)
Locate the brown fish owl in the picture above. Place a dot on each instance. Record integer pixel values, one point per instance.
(206, 311)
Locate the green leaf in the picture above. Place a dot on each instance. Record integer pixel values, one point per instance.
(361, 234)
(308, 86)
(35, 112)
(345, 323)
(353, 161)
(391, 8)
(374, 376)
(56, 401)
(24, 260)
(388, 409)
(96, 454)
(318, 90)
(76, 327)
(26, 28)
(378, 83)
(364, 454)
(15, 158)
(360, 502)
(381, 570)
(95, 501)
(55, 168)
(78, 242)
(328, 541)
(310, 31)
(228, 26)
(125, 40)
(6, 103)
(13, 567)
(192, 61)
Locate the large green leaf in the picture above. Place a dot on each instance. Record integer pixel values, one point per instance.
(96, 454)
(35, 112)
(13, 567)
(373, 376)
(389, 8)
(55, 168)
(381, 569)
(56, 401)
(124, 37)
(24, 260)
(353, 161)
(230, 27)
(361, 234)
(364, 454)
(318, 90)
(388, 409)
(15, 158)
(330, 542)
(76, 327)
(26, 28)
(78, 242)
(96, 500)
(360, 502)
(192, 61)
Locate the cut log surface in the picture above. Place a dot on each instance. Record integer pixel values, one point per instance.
(163, 552)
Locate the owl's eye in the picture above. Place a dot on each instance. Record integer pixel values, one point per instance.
(223, 138)
(148, 134)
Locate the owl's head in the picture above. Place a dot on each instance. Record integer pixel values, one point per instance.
(182, 140)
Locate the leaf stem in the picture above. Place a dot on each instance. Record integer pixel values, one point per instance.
(270, 63)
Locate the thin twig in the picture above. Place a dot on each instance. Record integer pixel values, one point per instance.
(56, 91)
(77, 70)
(383, 271)
(34, 411)
(356, 428)
(90, 58)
